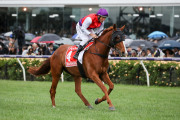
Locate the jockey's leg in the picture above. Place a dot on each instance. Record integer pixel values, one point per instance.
(81, 46)
(85, 38)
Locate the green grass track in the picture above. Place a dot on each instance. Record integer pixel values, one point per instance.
(31, 101)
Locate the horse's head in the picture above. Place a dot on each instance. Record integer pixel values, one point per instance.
(117, 39)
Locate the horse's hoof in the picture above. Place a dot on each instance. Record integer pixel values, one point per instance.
(96, 101)
(90, 107)
(54, 106)
(112, 108)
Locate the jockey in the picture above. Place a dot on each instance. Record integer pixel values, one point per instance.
(88, 26)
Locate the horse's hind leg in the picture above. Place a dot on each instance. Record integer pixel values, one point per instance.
(56, 71)
(106, 79)
(78, 91)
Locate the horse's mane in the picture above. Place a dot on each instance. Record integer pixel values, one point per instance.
(107, 30)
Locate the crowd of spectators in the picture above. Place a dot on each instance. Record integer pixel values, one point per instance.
(11, 47)
(15, 44)
(154, 52)
(38, 49)
(47, 49)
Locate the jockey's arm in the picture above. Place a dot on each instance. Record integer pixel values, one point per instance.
(99, 30)
(87, 22)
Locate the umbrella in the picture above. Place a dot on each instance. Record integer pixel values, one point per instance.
(35, 40)
(64, 41)
(29, 36)
(157, 35)
(74, 36)
(49, 37)
(46, 42)
(6, 42)
(2, 44)
(143, 43)
(127, 42)
(5, 48)
(178, 40)
(8, 34)
(169, 44)
(77, 42)
(28, 43)
(2, 37)
(161, 41)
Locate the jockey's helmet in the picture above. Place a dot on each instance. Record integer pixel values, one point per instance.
(102, 12)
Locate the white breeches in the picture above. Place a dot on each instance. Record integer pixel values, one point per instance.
(85, 38)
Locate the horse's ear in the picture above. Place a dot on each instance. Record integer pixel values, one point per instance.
(114, 27)
(122, 28)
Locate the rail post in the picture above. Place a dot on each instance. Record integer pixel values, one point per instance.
(24, 72)
(147, 74)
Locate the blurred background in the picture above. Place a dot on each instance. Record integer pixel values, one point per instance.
(59, 17)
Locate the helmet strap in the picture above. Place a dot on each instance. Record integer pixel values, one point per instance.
(99, 17)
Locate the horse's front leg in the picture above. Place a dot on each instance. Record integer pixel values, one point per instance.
(106, 79)
(97, 80)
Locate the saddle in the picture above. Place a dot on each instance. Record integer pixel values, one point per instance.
(71, 62)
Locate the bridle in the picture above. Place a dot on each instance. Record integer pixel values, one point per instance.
(113, 42)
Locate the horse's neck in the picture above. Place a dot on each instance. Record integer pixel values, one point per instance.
(104, 48)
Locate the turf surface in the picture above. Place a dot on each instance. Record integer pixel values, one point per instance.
(31, 101)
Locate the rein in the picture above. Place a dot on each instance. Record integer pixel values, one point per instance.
(103, 56)
(112, 44)
(104, 43)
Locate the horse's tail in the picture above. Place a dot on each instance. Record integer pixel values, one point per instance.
(43, 69)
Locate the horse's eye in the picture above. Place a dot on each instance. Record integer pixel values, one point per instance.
(118, 37)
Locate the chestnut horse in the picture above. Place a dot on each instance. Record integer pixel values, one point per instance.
(94, 64)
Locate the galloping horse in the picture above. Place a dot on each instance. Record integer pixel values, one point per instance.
(95, 64)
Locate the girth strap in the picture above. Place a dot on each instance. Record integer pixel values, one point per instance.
(103, 56)
(81, 69)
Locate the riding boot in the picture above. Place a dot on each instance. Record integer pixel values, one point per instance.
(78, 51)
